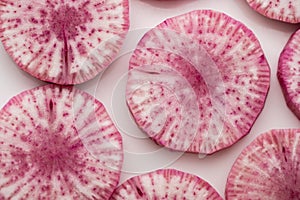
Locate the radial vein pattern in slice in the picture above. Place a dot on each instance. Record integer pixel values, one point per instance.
(282, 10)
(58, 142)
(65, 42)
(206, 74)
(269, 168)
(289, 73)
(166, 184)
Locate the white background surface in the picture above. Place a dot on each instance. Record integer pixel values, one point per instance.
(110, 89)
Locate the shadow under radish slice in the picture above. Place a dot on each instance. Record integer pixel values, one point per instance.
(289, 73)
(282, 10)
(197, 82)
(58, 142)
(269, 168)
(165, 184)
(64, 42)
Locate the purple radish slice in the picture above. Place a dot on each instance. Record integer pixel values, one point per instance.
(165, 184)
(197, 82)
(289, 73)
(269, 168)
(57, 142)
(282, 10)
(64, 42)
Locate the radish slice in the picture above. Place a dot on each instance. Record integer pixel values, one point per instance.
(197, 82)
(165, 184)
(269, 168)
(58, 143)
(282, 10)
(289, 73)
(64, 42)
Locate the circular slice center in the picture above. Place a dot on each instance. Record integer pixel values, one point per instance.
(53, 151)
(66, 22)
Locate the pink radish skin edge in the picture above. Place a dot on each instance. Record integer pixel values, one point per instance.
(58, 142)
(289, 73)
(165, 184)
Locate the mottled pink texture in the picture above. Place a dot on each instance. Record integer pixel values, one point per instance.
(165, 184)
(58, 142)
(269, 168)
(282, 10)
(64, 42)
(197, 82)
(289, 73)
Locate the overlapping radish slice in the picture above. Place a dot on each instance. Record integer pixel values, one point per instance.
(165, 184)
(60, 41)
(282, 10)
(58, 143)
(197, 82)
(269, 168)
(289, 73)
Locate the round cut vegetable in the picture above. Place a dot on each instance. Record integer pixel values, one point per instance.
(58, 142)
(269, 168)
(197, 82)
(64, 42)
(282, 10)
(165, 184)
(289, 73)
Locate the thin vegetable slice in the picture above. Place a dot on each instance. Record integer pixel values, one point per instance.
(58, 143)
(197, 82)
(165, 184)
(64, 42)
(289, 73)
(282, 10)
(269, 168)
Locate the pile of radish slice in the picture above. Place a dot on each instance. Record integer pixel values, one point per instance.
(197, 83)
